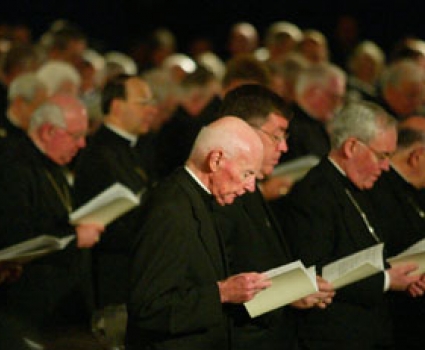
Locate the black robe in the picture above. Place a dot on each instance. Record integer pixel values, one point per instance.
(110, 158)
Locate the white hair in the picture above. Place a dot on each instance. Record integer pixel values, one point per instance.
(47, 113)
(26, 86)
(55, 73)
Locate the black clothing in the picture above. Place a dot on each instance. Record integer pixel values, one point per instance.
(110, 158)
(323, 225)
(174, 300)
(401, 212)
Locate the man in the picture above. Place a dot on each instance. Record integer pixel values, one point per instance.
(25, 94)
(319, 92)
(328, 216)
(179, 288)
(112, 156)
(253, 238)
(398, 193)
(36, 201)
(402, 90)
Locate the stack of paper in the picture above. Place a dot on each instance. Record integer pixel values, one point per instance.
(34, 248)
(355, 267)
(289, 283)
(415, 253)
(107, 206)
(296, 169)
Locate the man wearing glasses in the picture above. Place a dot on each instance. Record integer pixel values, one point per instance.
(328, 215)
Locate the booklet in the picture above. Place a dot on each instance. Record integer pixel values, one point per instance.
(289, 283)
(415, 253)
(34, 248)
(106, 206)
(355, 267)
(296, 169)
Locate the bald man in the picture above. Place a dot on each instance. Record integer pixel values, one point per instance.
(180, 286)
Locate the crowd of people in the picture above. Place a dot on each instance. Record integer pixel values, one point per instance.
(199, 136)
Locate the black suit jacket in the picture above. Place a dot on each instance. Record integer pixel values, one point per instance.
(307, 136)
(110, 158)
(398, 204)
(50, 291)
(323, 225)
(254, 242)
(174, 301)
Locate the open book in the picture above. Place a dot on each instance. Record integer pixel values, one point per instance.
(295, 169)
(289, 283)
(34, 248)
(355, 267)
(106, 206)
(415, 253)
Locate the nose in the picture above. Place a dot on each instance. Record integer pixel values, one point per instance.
(282, 146)
(81, 142)
(385, 164)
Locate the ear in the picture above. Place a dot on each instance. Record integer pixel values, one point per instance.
(46, 132)
(214, 159)
(349, 147)
(415, 156)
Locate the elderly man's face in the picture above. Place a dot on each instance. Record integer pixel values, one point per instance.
(64, 143)
(234, 177)
(369, 160)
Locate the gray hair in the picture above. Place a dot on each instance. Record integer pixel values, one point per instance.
(362, 120)
(318, 75)
(402, 71)
(26, 86)
(47, 113)
(54, 73)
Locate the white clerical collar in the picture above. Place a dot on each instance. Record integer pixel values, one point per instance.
(337, 166)
(196, 179)
(124, 134)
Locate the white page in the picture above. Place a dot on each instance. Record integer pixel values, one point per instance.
(415, 253)
(289, 283)
(107, 206)
(354, 267)
(296, 168)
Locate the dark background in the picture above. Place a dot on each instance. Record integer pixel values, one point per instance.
(115, 25)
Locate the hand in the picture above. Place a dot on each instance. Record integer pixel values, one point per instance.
(417, 289)
(320, 299)
(275, 187)
(10, 272)
(243, 287)
(88, 234)
(400, 276)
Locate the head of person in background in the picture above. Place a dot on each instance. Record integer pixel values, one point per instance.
(197, 89)
(363, 139)
(67, 44)
(314, 46)
(128, 105)
(403, 88)
(245, 69)
(58, 128)
(25, 94)
(320, 90)
(243, 39)
(60, 78)
(365, 65)
(226, 158)
(281, 38)
(19, 59)
(409, 157)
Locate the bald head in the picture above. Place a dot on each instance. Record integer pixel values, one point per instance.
(226, 158)
(416, 122)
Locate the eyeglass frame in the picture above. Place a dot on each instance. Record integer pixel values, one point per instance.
(380, 156)
(276, 139)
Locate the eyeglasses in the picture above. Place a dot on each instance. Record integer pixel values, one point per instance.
(76, 136)
(380, 156)
(145, 101)
(276, 138)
